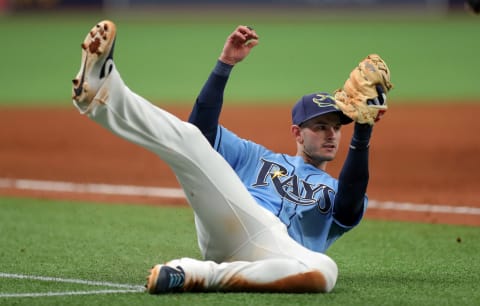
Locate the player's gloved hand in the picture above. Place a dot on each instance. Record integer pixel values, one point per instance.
(363, 96)
(378, 103)
(381, 99)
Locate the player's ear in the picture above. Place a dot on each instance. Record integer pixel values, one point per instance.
(296, 132)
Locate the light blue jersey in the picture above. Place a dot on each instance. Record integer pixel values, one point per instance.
(301, 195)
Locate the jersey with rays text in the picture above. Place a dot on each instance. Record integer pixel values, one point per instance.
(301, 195)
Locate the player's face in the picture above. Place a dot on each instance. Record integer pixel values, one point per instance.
(321, 136)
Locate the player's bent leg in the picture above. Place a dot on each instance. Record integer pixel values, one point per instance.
(271, 275)
(269, 262)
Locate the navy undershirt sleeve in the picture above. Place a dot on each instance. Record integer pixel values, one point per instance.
(353, 178)
(207, 107)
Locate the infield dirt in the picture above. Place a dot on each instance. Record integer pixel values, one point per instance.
(428, 153)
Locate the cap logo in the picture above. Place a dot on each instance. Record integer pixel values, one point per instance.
(322, 100)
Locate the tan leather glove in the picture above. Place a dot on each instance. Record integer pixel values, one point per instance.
(363, 96)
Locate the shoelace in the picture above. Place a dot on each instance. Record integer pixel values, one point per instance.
(176, 279)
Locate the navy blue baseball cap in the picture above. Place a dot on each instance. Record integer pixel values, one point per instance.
(314, 105)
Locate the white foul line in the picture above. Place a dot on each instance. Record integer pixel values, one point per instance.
(126, 288)
(162, 192)
(69, 280)
(40, 294)
(55, 186)
(389, 205)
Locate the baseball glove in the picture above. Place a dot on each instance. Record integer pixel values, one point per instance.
(363, 96)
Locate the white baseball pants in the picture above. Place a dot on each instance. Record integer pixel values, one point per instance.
(246, 247)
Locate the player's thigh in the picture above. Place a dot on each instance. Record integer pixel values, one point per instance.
(276, 243)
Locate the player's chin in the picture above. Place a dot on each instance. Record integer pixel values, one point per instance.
(329, 154)
(327, 157)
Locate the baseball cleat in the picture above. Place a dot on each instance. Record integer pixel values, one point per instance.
(97, 61)
(165, 279)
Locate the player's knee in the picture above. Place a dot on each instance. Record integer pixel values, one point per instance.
(331, 274)
(191, 132)
(314, 280)
(328, 270)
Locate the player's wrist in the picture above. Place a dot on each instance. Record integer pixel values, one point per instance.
(221, 68)
(362, 130)
(361, 136)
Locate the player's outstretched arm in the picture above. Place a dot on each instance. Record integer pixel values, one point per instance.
(353, 178)
(206, 111)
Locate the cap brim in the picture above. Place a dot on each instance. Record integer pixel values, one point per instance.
(344, 119)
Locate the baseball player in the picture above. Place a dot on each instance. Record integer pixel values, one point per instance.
(264, 220)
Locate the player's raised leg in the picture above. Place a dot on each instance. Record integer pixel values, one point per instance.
(211, 186)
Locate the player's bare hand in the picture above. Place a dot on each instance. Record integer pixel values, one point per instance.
(238, 45)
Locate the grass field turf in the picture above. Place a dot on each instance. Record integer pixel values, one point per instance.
(167, 58)
(381, 263)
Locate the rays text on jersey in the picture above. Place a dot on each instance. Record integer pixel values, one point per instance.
(292, 188)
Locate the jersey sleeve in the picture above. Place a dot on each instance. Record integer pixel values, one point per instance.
(238, 152)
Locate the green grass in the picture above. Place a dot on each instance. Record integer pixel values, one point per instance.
(381, 263)
(168, 57)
